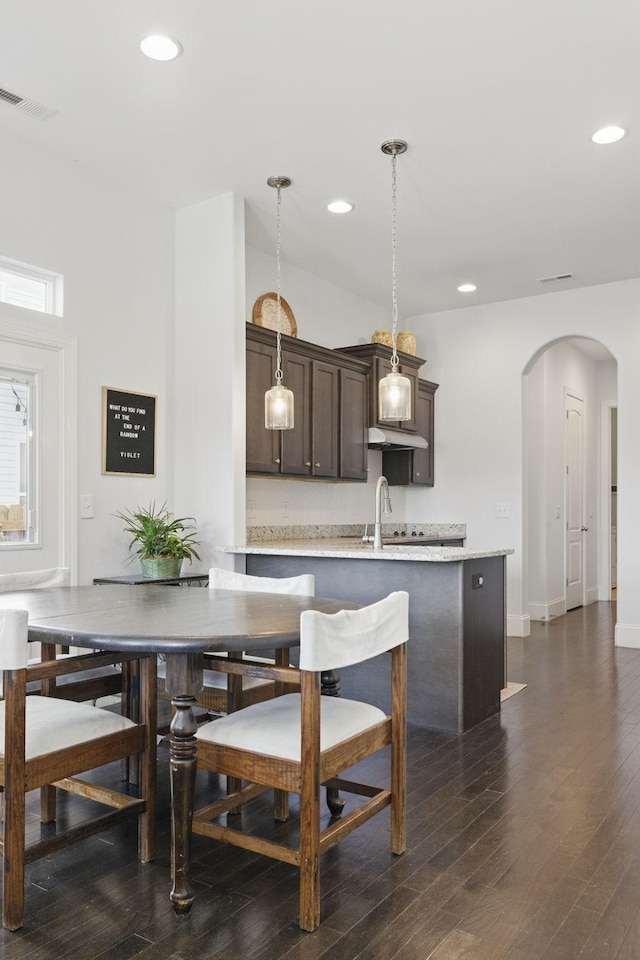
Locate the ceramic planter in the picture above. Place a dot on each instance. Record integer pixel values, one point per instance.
(159, 568)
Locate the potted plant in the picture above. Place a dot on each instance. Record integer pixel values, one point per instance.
(160, 540)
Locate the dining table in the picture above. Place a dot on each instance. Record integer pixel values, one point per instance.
(180, 625)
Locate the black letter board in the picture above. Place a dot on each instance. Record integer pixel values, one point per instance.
(128, 433)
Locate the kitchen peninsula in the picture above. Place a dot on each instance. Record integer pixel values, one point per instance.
(456, 612)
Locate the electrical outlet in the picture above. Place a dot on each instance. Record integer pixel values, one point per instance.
(285, 509)
(251, 510)
(502, 510)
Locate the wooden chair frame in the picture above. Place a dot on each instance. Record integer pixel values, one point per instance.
(59, 769)
(305, 778)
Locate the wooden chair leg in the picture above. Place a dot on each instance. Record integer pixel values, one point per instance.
(310, 809)
(399, 751)
(48, 651)
(280, 806)
(14, 822)
(48, 804)
(148, 776)
(132, 709)
(13, 859)
(281, 797)
(234, 702)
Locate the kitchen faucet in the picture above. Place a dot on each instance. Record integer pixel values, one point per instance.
(383, 505)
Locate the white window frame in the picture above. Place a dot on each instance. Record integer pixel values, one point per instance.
(39, 334)
(32, 539)
(53, 283)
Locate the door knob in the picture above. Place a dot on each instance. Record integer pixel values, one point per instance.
(584, 529)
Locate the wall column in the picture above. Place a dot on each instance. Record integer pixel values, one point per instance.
(209, 371)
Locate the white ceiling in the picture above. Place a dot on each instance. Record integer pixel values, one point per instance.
(497, 99)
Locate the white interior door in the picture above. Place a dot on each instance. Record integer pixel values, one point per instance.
(574, 499)
(53, 537)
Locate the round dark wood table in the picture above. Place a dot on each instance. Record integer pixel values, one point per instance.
(180, 625)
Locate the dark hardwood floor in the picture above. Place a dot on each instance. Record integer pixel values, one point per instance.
(524, 844)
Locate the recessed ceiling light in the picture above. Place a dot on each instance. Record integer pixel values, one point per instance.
(158, 47)
(340, 206)
(608, 134)
(467, 288)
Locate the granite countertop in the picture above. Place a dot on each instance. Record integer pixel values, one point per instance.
(350, 548)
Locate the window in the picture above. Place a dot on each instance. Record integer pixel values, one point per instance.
(17, 468)
(31, 287)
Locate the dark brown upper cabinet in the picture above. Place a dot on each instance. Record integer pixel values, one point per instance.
(328, 440)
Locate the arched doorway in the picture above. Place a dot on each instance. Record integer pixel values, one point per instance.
(569, 390)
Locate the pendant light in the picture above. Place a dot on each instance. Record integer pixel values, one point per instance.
(278, 401)
(394, 390)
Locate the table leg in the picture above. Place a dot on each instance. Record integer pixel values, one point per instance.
(182, 753)
(330, 686)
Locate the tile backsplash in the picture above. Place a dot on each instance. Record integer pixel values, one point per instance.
(296, 502)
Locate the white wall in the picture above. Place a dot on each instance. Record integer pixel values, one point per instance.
(115, 251)
(478, 355)
(209, 358)
(332, 317)
(325, 314)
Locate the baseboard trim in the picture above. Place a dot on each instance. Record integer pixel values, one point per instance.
(547, 611)
(627, 635)
(518, 626)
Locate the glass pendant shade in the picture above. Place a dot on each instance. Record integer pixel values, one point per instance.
(278, 408)
(394, 397)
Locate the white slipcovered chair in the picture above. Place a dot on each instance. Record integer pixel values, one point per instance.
(45, 742)
(93, 684)
(296, 742)
(224, 693)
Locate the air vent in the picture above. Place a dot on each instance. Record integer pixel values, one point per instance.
(36, 110)
(560, 276)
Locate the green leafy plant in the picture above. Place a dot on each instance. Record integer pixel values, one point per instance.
(157, 533)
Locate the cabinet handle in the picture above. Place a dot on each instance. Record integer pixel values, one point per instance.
(417, 473)
(277, 460)
(307, 463)
(316, 464)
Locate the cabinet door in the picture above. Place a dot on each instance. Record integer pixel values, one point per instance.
(324, 420)
(423, 460)
(263, 446)
(354, 403)
(296, 443)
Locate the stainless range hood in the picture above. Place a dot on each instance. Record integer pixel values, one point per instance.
(384, 438)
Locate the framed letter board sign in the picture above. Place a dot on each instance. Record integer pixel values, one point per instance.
(128, 433)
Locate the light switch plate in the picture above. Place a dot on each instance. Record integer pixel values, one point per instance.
(87, 508)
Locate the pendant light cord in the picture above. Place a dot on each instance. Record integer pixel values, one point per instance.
(394, 270)
(278, 303)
